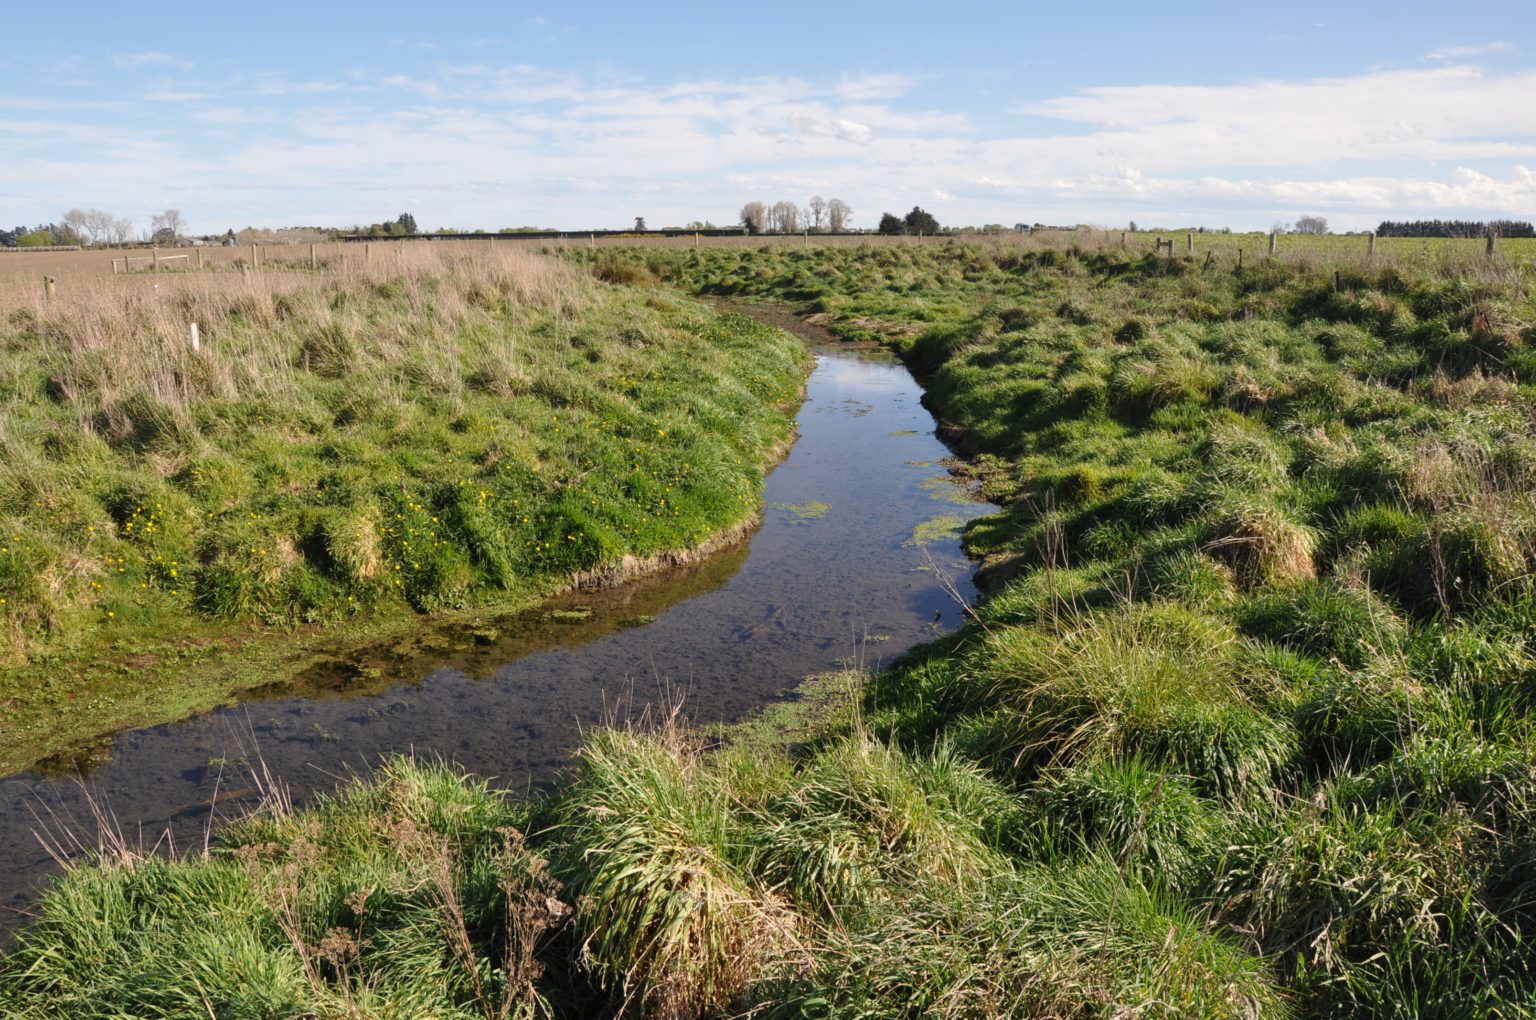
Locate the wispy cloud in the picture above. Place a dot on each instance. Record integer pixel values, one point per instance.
(1464, 52)
(1443, 113)
(149, 58)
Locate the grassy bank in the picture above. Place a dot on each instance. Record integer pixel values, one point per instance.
(434, 432)
(1261, 610)
(1243, 728)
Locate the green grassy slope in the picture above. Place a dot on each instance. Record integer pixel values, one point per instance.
(458, 433)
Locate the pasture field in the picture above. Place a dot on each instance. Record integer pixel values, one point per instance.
(430, 433)
(23, 267)
(1245, 726)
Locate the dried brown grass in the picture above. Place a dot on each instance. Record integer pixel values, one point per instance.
(112, 336)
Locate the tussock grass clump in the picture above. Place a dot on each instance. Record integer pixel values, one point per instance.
(1080, 941)
(1155, 679)
(668, 920)
(411, 895)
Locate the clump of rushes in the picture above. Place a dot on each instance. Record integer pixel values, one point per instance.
(455, 428)
(670, 920)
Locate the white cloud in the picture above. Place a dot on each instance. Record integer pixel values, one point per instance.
(1463, 52)
(1393, 115)
(488, 144)
(129, 61)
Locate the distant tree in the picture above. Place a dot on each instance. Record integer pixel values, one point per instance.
(98, 225)
(407, 224)
(816, 212)
(42, 237)
(754, 216)
(122, 231)
(167, 225)
(1133, 226)
(92, 226)
(75, 221)
(838, 215)
(1311, 225)
(784, 218)
(639, 222)
(890, 223)
(700, 225)
(920, 222)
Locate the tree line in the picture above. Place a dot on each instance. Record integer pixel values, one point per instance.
(1454, 228)
(86, 227)
(820, 214)
(403, 225)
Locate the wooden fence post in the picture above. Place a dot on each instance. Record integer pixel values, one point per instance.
(1122, 239)
(49, 292)
(1272, 236)
(1189, 243)
(1492, 233)
(199, 258)
(155, 254)
(365, 252)
(313, 264)
(192, 337)
(1370, 245)
(593, 239)
(1239, 259)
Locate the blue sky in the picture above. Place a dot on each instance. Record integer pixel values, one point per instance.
(587, 115)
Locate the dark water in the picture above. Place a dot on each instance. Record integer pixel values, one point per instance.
(812, 589)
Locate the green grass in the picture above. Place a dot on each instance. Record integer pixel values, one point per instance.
(1243, 727)
(453, 436)
(1258, 620)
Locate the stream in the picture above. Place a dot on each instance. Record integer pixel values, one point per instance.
(851, 565)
